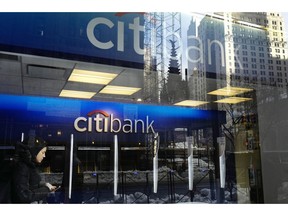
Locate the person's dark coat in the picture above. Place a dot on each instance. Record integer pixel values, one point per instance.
(27, 185)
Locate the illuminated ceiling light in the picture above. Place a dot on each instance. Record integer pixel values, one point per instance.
(233, 100)
(94, 77)
(119, 90)
(76, 94)
(230, 91)
(192, 103)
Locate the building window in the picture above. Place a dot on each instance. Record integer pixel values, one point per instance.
(263, 79)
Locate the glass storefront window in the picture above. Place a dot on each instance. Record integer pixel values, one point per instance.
(154, 107)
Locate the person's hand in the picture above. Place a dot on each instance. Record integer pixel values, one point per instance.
(52, 188)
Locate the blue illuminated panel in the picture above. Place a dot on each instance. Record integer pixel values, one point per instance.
(23, 113)
(111, 38)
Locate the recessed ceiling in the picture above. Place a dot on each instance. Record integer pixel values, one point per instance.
(43, 76)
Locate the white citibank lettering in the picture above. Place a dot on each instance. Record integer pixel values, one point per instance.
(101, 122)
(135, 27)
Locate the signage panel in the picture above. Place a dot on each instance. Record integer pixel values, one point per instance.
(112, 38)
(82, 117)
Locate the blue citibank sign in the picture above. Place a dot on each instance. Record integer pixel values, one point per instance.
(82, 117)
(112, 38)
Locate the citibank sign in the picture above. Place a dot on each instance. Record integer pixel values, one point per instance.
(101, 122)
(119, 26)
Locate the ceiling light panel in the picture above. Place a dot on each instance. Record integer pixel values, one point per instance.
(230, 91)
(86, 76)
(76, 94)
(119, 90)
(233, 100)
(192, 103)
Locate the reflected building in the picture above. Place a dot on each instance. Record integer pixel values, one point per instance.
(196, 76)
(241, 48)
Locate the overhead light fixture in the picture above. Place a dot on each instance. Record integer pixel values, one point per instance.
(94, 77)
(233, 100)
(76, 94)
(119, 90)
(192, 103)
(230, 91)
